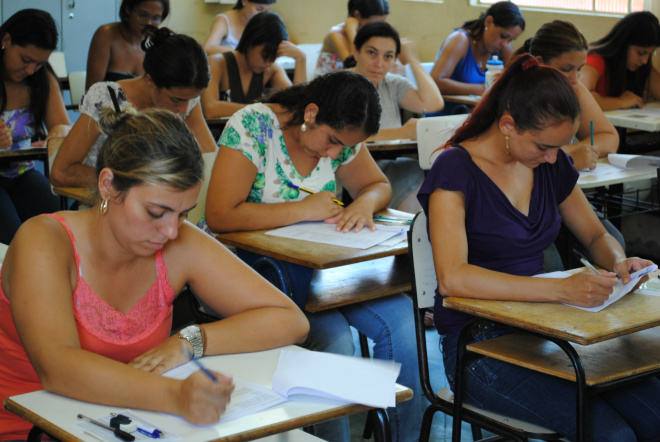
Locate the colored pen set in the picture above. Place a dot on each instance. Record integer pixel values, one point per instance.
(311, 192)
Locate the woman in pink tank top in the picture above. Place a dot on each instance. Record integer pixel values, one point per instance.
(99, 314)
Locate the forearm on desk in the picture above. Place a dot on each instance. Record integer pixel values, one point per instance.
(75, 175)
(256, 216)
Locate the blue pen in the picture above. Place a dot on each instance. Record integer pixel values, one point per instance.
(205, 370)
(152, 432)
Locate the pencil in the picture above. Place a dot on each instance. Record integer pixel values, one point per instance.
(311, 192)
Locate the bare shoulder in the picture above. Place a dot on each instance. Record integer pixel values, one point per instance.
(457, 40)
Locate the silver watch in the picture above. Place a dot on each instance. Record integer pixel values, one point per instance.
(193, 334)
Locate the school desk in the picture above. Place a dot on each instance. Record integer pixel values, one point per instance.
(391, 148)
(35, 153)
(344, 275)
(601, 350)
(84, 195)
(470, 100)
(646, 119)
(56, 414)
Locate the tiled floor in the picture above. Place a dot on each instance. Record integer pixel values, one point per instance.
(441, 429)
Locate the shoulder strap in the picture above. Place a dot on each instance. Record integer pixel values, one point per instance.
(113, 97)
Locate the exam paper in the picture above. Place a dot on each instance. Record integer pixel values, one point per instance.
(633, 161)
(619, 289)
(369, 382)
(247, 397)
(323, 233)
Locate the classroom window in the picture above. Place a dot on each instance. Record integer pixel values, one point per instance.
(601, 6)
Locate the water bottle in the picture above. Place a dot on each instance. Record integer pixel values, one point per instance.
(494, 67)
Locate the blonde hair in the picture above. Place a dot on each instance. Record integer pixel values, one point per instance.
(154, 146)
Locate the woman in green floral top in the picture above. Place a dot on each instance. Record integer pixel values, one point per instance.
(311, 136)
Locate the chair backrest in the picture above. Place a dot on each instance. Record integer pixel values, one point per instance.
(419, 248)
(58, 63)
(433, 132)
(312, 51)
(196, 214)
(77, 81)
(409, 72)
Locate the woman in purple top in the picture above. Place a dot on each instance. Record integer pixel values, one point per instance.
(494, 201)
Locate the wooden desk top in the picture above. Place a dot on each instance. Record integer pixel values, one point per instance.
(57, 414)
(310, 254)
(24, 154)
(392, 145)
(470, 100)
(634, 312)
(620, 177)
(84, 195)
(218, 121)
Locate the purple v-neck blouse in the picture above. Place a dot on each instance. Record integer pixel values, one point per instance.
(500, 237)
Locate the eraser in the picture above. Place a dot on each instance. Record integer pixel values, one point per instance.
(129, 428)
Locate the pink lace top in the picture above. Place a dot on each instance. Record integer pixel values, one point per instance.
(101, 329)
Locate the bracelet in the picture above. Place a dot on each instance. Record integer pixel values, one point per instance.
(203, 340)
(621, 260)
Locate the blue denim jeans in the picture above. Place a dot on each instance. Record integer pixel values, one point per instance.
(626, 414)
(389, 323)
(21, 198)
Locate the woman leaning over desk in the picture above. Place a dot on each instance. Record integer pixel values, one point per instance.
(115, 52)
(31, 106)
(99, 315)
(239, 77)
(460, 66)
(495, 201)
(227, 29)
(176, 71)
(619, 72)
(559, 44)
(310, 136)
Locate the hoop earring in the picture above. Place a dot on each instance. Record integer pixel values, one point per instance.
(103, 208)
(506, 140)
(304, 126)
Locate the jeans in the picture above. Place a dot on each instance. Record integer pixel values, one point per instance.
(389, 323)
(627, 414)
(21, 198)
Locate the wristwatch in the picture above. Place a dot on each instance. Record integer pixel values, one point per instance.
(193, 334)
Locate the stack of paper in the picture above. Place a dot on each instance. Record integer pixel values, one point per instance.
(326, 234)
(356, 380)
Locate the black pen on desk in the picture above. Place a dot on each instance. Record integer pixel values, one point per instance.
(117, 432)
(311, 192)
(586, 262)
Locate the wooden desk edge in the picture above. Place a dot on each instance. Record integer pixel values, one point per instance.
(40, 422)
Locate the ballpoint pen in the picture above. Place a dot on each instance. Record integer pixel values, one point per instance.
(585, 261)
(311, 192)
(117, 432)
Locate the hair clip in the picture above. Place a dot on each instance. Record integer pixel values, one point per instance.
(528, 64)
(148, 43)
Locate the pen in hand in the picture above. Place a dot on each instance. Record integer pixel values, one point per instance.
(311, 192)
(586, 263)
(199, 364)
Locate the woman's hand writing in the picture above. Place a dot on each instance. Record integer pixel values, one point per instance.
(201, 400)
(630, 99)
(586, 289)
(320, 206)
(585, 156)
(5, 136)
(356, 216)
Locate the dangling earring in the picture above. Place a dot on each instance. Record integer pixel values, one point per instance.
(103, 208)
(506, 140)
(485, 28)
(304, 126)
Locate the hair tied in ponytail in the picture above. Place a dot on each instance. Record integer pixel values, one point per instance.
(528, 64)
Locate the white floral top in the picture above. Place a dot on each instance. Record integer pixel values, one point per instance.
(98, 97)
(255, 131)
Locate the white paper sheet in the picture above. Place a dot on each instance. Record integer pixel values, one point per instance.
(352, 379)
(326, 234)
(619, 289)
